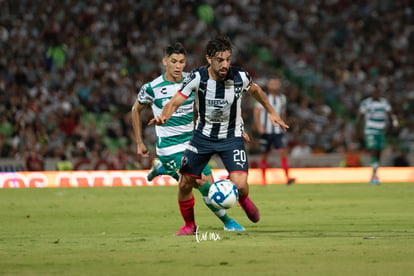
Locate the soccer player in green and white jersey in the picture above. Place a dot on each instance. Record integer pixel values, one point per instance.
(375, 112)
(173, 137)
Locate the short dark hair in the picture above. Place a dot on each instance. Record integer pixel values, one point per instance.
(174, 48)
(218, 44)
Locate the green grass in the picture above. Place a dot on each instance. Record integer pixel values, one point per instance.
(336, 229)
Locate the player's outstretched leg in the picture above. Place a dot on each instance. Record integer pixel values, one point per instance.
(156, 169)
(249, 208)
(229, 223)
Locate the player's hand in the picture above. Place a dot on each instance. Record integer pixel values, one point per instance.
(281, 123)
(395, 123)
(246, 137)
(142, 150)
(159, 120)
(276, 120)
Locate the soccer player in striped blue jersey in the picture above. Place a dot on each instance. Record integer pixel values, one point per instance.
(172, 138)
(375, 112)
(218, 88)
(271, 135)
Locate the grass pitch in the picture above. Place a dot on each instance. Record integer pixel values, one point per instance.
(322, 229)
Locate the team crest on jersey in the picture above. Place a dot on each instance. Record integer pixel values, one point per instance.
(237, 91)
(164, 91)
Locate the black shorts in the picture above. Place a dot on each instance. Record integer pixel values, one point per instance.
(231, 152)
(269, 140)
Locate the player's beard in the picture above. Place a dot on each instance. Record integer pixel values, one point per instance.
(221, 74)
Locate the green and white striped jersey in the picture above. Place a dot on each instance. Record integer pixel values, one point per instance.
(376, 114)
(174, 136)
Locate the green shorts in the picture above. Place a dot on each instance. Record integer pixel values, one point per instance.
(172, 163)
(375, 141)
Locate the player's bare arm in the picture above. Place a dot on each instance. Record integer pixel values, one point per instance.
(259, 127)
(137, 126)
(176, 101)
(257, 92)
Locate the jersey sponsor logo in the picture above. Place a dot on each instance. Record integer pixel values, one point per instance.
(217, 103)
(184, 110)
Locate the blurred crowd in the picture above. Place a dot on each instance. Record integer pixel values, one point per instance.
(70, 70)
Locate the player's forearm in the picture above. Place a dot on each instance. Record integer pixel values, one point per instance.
(267, 106)
(168, 110)
(137, 131)
(176, 101)
(256, 118)
(260, 96)
(137, 124)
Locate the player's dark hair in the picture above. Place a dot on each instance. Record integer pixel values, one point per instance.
(174, 48)
(218, 44)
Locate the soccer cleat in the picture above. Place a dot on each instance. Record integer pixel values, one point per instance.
(186, 231)
(290, 181)
(156, 169)
(374, 181)
(251, 210)
(232, 225)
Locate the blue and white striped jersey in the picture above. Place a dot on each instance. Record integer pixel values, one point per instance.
(218, 102)
(278, 103)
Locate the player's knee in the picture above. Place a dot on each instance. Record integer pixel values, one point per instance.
(186, 183)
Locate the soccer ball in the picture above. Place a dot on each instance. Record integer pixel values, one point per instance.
(223, 194)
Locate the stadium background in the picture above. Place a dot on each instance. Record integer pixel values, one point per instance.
(69, 71)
